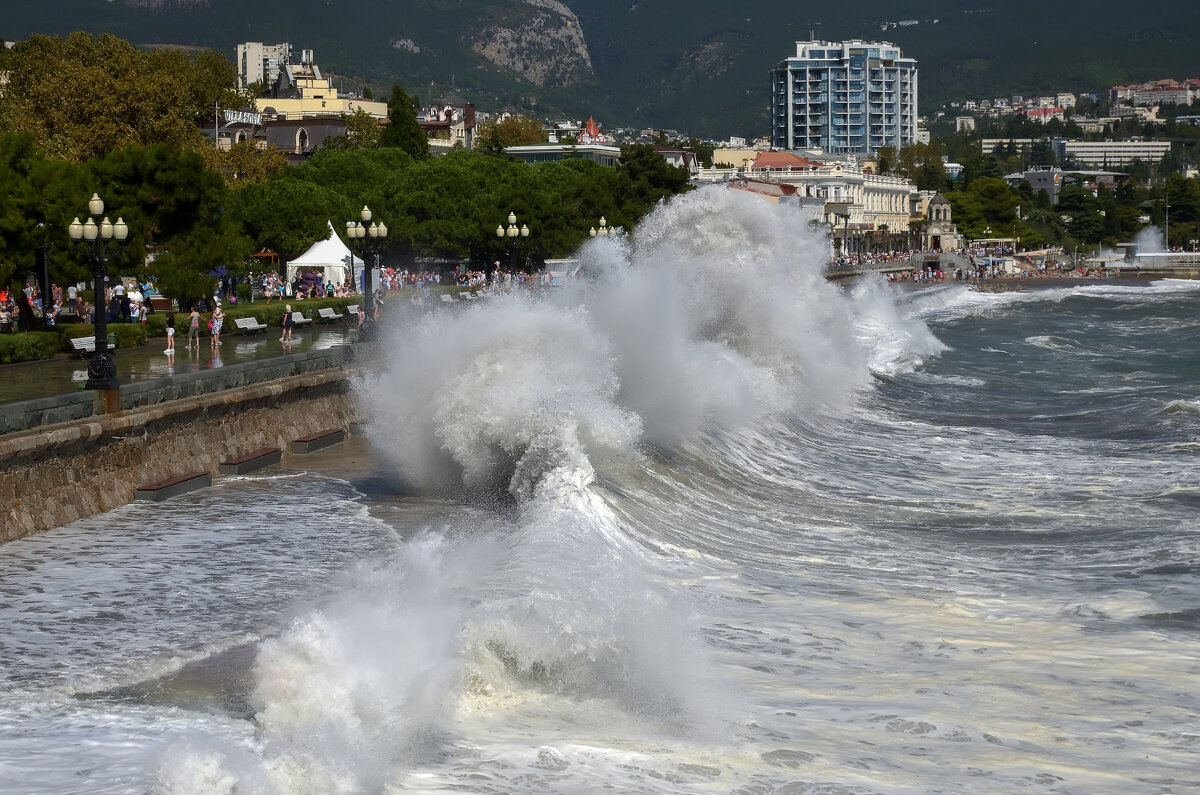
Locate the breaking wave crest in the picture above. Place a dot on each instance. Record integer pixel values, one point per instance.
(712, 317)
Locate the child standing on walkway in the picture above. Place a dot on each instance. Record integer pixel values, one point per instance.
(288, 322)
(170, 333)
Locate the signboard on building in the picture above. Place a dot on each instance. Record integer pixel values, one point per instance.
(243, 117)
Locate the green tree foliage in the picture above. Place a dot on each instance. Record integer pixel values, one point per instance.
(646, 178)
(494, 136)
(450, 206)
(1184, 197)
(287, 215)
(245, 162)
(989, 203)
(968, 214)
(885, 157)
(1079, 208)
(36, 190)
(1025, 191)
(402, 130)
(922, 163)
(1041, 153)
(364, 129)
(173, 204)
(84, 96)
(175, 208)
(704, 151)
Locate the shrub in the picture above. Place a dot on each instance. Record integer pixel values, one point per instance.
(28, 347)
(130, 335)
(156, 324)
(243, 293)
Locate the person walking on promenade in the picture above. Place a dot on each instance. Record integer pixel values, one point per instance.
(218, 318)
(194, 328)
(170, 333)
(288, 322)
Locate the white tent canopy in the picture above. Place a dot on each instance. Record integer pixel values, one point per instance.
(329, 256)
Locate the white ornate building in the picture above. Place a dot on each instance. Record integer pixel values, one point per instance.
(855, 201)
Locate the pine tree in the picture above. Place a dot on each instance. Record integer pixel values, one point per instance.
(402, 130)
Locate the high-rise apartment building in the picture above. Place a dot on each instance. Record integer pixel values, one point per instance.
(260, 63)
(846, 97)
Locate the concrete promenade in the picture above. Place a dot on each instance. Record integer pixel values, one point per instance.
(67, 452)
(64, 375)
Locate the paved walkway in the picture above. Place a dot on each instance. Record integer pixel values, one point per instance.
(64, 374)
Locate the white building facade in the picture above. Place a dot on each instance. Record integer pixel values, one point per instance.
(845, 98)
(839, 191)
(1110, 154)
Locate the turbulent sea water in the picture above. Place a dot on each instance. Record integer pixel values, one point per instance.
(702, 523)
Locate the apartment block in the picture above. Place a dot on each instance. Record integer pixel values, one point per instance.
(260, 63)
(844, 97)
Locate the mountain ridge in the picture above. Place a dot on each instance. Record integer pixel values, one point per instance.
(699, 67)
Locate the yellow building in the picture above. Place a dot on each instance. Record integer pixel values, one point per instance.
(300, 92)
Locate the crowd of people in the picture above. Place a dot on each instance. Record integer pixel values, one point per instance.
(48, 308)
(981, 263)
(28, 308)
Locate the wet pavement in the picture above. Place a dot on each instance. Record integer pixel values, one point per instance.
(64, 374)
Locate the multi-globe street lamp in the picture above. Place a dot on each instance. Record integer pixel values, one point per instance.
(513, 235)
(368, 240)
(604, 229)
(99, 240)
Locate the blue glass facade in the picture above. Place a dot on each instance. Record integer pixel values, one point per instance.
(849, 97)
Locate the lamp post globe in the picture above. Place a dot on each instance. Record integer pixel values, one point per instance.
(99, 242)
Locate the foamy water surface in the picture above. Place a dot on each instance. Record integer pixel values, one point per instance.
(702, 522)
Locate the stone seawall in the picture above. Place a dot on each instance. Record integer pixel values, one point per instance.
(54, 475)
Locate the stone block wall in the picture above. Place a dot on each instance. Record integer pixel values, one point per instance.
(54, 475)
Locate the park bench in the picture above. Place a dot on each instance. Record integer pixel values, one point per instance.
(321, 439)
(299, 319)
(84, 346)
(352, 310)
(172, 487)
(447, 298)
(257, 459)
(249, 324)
(328, 315)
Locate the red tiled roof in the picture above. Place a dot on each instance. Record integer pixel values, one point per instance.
(781, 160)
(776, 189)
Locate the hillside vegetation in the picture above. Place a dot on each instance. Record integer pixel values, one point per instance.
(699, 66)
